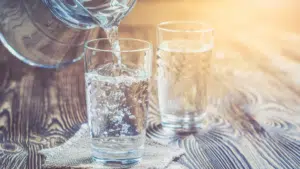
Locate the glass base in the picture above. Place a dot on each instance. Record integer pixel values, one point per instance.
(182, 123)
(117, 159)
(181, 127)
(120, 163)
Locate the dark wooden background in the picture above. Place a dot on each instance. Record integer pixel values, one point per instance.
(257, 65)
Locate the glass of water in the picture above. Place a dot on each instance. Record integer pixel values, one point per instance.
(117, 91)
(183, 58)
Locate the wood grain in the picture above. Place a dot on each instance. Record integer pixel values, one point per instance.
(39, 108)
(254, 122)
(255, 93)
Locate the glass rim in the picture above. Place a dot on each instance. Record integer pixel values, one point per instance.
(202, 30)
(149, 44)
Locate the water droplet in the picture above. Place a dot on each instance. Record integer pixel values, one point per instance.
(132, 117)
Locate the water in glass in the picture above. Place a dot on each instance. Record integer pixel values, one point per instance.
(183, 68)
(117, 103)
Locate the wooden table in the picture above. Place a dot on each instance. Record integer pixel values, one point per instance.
(255, 123)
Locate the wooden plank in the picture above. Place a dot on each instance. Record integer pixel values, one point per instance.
(256, 127)
(39, 108)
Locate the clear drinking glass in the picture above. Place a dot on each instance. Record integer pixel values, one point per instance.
(117, 98)
(183, 58)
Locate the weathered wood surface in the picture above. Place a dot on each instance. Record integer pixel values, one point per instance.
(254, 122)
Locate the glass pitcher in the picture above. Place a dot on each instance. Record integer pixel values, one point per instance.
(51, 33)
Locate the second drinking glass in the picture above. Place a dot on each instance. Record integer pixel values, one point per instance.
(183, 58)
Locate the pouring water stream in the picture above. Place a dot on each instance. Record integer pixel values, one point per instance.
(111, 33)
